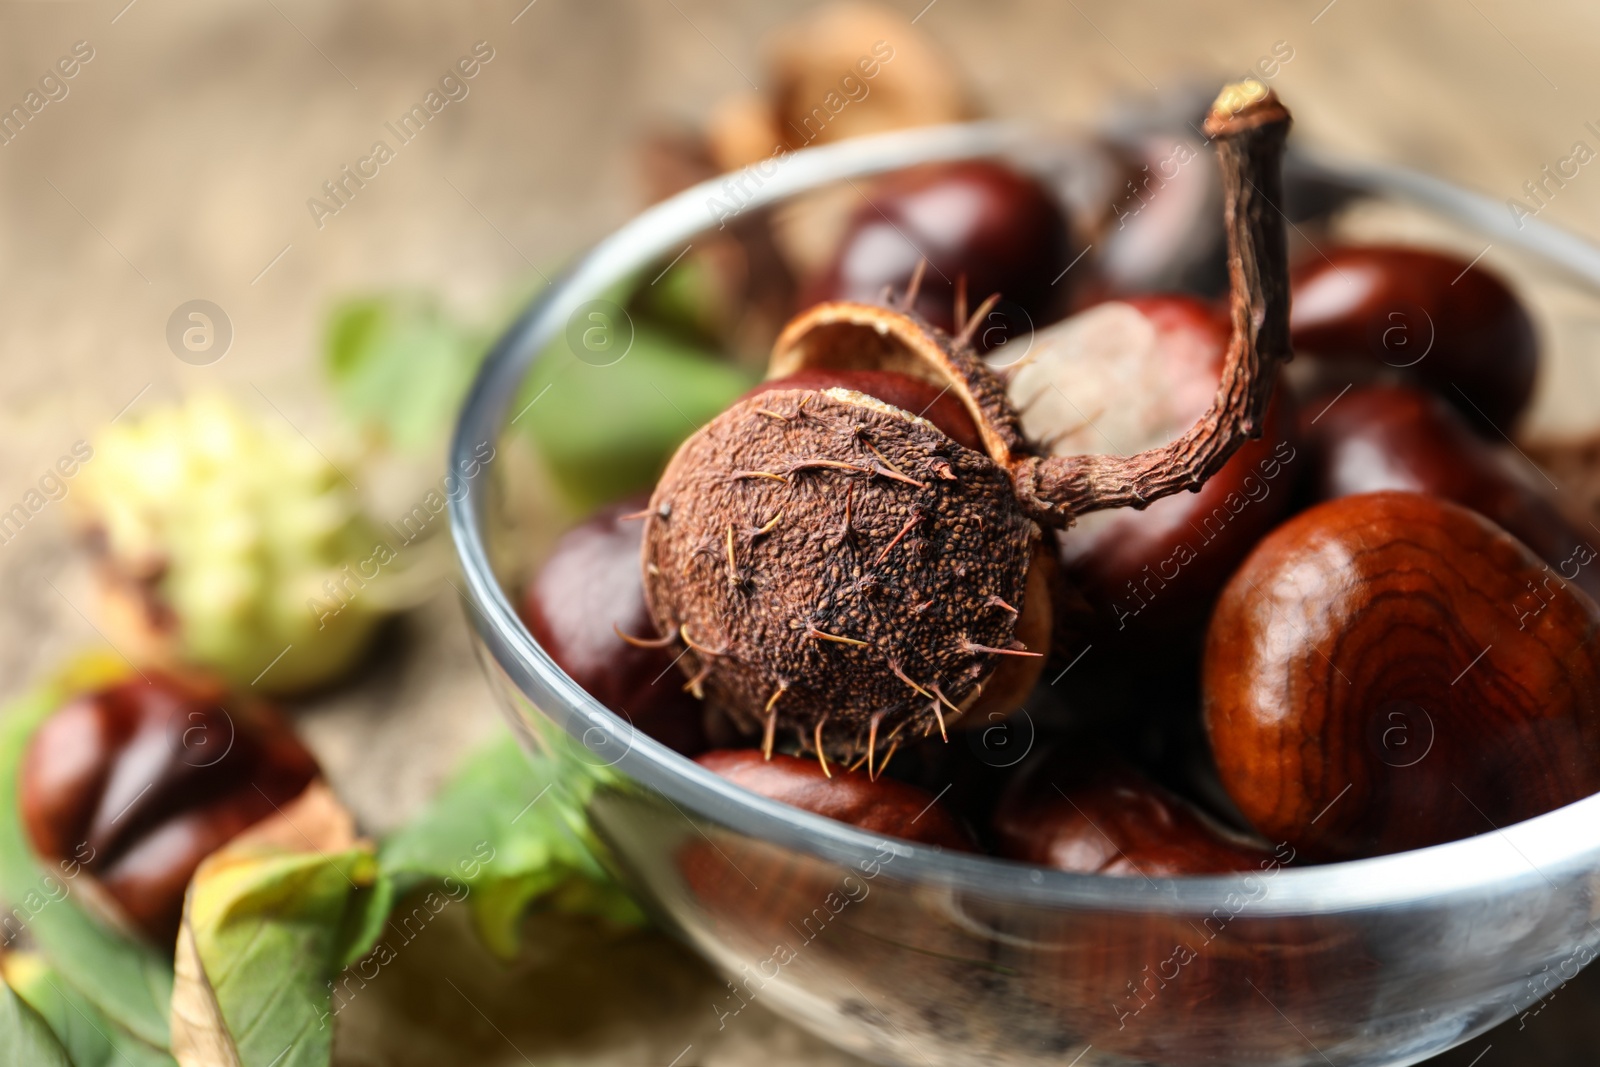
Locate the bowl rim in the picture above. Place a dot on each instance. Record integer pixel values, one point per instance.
(1505, 859)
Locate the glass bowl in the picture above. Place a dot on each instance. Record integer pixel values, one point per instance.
(905, 954)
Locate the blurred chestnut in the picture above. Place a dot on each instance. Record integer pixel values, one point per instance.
(1108, 818)
(1164, 232)
(916, 395)
(1573, 463)
(1155, 571)
(1434, 317)
(590, 590)
(1391, 670)
(978, 220)
(883, 806)
(140, 781)
(969, 770)
(1397, 437)
(839, 70)
(757, 894)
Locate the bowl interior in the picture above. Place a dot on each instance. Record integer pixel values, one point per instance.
(501, 526)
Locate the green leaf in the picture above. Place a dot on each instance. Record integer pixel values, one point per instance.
(687, 299)
(364, 922)
(400, 365)
(259, 945)
(25, 1038)
(86, 1035)
(127, 979)
(497, 837)
(607, 431)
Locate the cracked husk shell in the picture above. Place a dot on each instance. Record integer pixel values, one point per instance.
(829, 559)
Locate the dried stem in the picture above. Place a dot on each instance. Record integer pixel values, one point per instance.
(1249, 127)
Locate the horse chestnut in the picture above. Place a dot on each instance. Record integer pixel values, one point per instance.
(1109, 818)
(1157, 570)
(219, 537)
(583, 605)
(1397, 437)
(1391, 670)
(978, 220)
(837, 566)
(1452, 325)
(882, 806)
(140, 781)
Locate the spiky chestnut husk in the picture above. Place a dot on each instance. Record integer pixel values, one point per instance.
(225, 539)
(840, 567)
(851, 564)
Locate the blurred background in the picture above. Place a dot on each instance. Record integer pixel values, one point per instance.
(177, 164)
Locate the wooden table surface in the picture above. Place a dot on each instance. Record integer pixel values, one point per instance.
(179, 163)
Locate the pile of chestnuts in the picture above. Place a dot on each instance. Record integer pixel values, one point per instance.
(1251, 618)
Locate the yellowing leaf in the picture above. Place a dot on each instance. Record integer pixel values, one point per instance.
(261, 940)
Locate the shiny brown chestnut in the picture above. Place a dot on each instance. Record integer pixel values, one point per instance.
(1391, 670)
(983, 227)
(1159, 570)
(1399, 437)
(584, 605)
(883, 806)
(1436, 318)
(140, 781)
(1099, 815)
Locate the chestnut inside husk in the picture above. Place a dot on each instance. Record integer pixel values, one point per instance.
(880, 544)
(839, 566)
